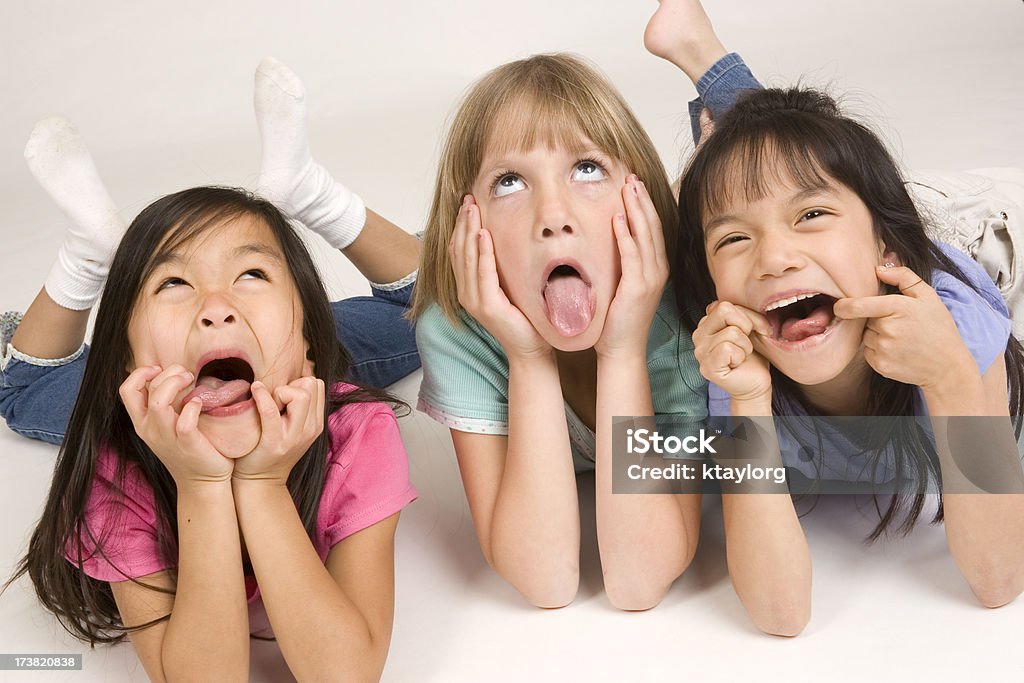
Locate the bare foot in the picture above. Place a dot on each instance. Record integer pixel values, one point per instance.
(681, 32)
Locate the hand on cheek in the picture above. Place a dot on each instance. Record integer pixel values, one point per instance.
(291, 418)
(644, 266)
(909, 337)
(471, 252)
(149, 394)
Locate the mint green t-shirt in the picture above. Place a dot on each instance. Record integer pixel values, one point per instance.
(465, 376)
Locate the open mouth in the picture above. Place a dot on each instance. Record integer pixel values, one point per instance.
(223, 383)
(568, 299)
(801, 317)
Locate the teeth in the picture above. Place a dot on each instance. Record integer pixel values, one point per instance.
(781, 303)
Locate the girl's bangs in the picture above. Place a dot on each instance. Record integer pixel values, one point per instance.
(746, 168)
(556, 119)
(191, 226)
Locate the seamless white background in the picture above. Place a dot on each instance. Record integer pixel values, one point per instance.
(162, 95)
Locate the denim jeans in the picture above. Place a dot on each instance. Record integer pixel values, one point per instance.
(37, 396)
(719, 88)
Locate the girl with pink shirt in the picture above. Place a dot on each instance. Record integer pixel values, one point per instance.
(218, 479)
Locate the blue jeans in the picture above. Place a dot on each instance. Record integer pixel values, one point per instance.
(719, 88)
(36, 398)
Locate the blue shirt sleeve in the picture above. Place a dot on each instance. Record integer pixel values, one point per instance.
(980, 314)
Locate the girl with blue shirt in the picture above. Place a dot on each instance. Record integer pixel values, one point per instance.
(820, 294)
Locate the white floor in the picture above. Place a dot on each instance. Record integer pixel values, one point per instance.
(162, 95)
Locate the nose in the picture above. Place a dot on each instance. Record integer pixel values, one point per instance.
(778, 253)
(554, 212)
(217, 311)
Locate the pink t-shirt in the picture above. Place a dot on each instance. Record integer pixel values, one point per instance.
(367, 480)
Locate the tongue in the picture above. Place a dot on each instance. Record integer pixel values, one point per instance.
(568, 301)
(217, 393)
(798, 329)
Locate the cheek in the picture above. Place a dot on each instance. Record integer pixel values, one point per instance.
(728, 279)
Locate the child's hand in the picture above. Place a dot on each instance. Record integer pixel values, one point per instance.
(909, 337)
(641, 247)
(291, 420)
(148, 395)
(471, 251)
(723, 347)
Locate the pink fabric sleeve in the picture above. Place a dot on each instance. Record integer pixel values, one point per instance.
(121, 518)
(367, 476)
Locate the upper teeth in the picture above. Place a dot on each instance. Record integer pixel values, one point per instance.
(781, 303)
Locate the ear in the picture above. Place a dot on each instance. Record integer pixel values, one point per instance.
(890, 257)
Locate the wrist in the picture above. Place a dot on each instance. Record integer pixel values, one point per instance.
(958, 391)
(753, 405)
(541, 358)
(258, 482)
(204, 489)
(627, 353)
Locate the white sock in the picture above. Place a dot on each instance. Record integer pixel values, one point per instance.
(300, 187)
(61, 163)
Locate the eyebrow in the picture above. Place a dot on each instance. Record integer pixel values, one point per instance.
(802, 195)
(259, 248)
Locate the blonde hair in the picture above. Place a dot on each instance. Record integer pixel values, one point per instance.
(555, 99)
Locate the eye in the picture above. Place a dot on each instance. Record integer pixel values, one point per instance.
(170, 283)
(731, 239)
(813, 213)
(588, 170)
(506, 183)
(253, 274)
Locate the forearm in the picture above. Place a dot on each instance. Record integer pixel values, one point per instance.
(322, 634)
(207, 636)
(983, 489)
(535, 528)
(769, 561)
(645, 541)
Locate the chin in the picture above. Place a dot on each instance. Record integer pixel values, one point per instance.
(233, 437)
(809, 375)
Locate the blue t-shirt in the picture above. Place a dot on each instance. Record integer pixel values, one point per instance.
(983, 321)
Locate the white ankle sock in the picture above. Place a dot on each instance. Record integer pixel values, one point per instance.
(61, 163)
(300, 187)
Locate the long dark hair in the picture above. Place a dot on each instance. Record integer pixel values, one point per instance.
(802, 133)
(83, 605)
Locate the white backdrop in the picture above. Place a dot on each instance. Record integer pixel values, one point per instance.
(162, 94)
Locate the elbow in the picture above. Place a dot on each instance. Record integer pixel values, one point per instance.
(544, 584)
(547, 590)
(996, 589)
(783, 624)
(550, 594)
(639, 587)
(635, 598)
(634, 594)
(784, 618)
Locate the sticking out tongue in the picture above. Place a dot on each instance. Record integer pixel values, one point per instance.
(568, 301)
(798, 329)
(216, 392)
